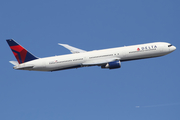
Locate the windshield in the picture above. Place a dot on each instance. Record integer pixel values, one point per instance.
(169, 45)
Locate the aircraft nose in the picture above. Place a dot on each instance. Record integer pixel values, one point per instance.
(173, 48)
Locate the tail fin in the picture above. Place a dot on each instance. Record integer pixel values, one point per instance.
(21, 54)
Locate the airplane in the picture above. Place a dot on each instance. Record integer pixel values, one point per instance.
(105, 58)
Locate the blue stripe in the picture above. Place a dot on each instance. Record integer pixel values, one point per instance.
(11, 42)
(29, 57)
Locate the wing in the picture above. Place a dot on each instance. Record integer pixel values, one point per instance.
(99, 62)
(72, 49)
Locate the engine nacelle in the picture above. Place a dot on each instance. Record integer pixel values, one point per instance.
(112, 65)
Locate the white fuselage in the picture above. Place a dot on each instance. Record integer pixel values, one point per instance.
(98, 57)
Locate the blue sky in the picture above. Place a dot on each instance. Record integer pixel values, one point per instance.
(90, 93)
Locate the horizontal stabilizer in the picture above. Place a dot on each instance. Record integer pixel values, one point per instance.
(14, 62)
(72, 49)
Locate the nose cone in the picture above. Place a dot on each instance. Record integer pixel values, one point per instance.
(173, 48)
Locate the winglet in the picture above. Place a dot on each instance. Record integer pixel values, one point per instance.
(72, 49)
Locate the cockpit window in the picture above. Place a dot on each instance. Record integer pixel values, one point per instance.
(169, 45)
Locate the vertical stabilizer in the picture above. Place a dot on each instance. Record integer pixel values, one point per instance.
(21, 54)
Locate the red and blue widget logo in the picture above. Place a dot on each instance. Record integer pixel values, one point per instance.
(19, 52)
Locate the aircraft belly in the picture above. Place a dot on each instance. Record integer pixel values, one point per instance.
(54, 67)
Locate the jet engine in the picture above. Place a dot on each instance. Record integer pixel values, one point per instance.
(112, 65)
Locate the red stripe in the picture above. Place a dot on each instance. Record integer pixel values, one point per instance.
(17, 48)
(17, 57)
(23, 55)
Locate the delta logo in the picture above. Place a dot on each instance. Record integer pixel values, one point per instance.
(147, 48)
